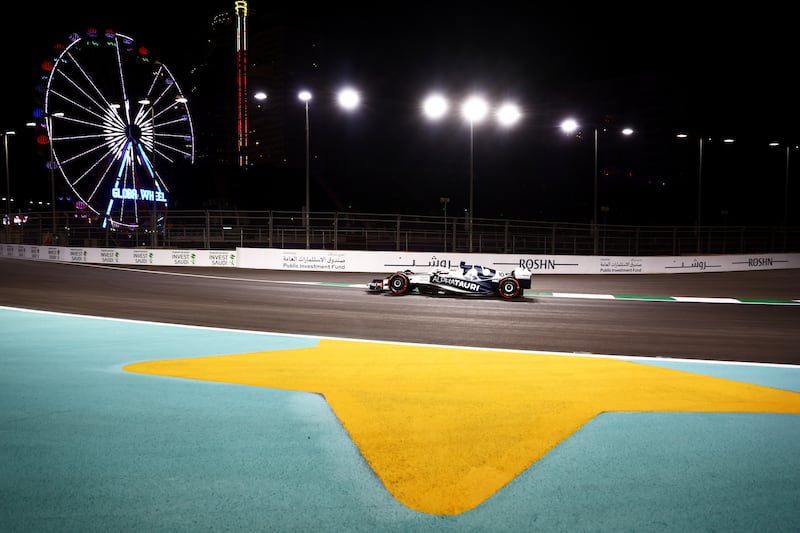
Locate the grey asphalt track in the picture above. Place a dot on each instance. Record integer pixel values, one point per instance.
(85, 446)
(289, 302)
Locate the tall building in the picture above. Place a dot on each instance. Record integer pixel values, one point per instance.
(212, 96)
(249, 151)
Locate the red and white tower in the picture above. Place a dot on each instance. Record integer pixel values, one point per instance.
(242, 127)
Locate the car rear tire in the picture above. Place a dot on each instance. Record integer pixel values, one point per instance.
(399, 283)
(509, 288)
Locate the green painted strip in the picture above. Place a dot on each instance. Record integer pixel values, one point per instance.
(761, 301)
(633, 297)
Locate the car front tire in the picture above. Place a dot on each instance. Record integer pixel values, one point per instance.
(399, 283)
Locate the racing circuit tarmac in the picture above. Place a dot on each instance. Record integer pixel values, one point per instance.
(583, 317)
(407, 426)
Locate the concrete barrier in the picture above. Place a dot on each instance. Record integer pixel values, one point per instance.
(365, 261)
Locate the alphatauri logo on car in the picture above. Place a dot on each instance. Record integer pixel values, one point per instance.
(460, 283)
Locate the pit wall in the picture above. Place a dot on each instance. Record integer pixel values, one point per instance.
(386, 262)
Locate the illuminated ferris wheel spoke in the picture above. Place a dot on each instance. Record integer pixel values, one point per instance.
(85, 153)
(146, 161)
(120, 127)
(123, 164)
(163, 152)
(89, 81)
(93, 162)
(86, 109)
(98, 186)
(122, 86)
(88, 176)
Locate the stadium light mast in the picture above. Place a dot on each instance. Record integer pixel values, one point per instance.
(570, 126)
(473, 110)
(8, 179)
(305, 96)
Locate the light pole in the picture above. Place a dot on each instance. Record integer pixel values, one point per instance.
(349, 99)
(570, 126)
(699, 175)
(8, 180)
(700, 148)
(785, 190)
(699, 182)
(153, 210)
(305, 96)
(474, 110)
(594, 212)
(444, 200)
(786, 182)
(52, 165)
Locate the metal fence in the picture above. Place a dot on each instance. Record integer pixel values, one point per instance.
(368, 231)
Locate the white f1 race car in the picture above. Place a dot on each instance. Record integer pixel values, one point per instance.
(470, 280)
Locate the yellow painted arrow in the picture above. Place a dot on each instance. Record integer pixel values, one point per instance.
(446, 428)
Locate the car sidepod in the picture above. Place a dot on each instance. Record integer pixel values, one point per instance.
(448, 283)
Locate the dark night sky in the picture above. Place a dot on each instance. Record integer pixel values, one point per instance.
(660, 68)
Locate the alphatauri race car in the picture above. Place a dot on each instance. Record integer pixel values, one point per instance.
(468, 280)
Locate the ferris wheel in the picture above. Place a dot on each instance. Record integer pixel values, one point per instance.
(118, 127)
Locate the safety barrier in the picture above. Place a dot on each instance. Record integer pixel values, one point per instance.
(389, 261)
